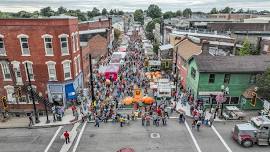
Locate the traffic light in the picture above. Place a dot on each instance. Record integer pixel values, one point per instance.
(4, 101)
(253, 99)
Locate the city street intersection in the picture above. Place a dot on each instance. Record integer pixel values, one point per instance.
(111, 137)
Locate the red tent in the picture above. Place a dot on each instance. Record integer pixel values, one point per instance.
(112, 72)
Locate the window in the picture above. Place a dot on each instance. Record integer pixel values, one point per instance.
(48, 46)
(227, 78)
(2, 47)
(211, 78)
(6, 71)
(193, 73)
(75, 66)
(67, 70)
(75, 42)
(10, 94)
(30, 69)
(64, 44)
(252, 79)
(51, 70)
(24, 46)
(234, 100)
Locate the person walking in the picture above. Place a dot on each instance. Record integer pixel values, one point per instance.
(31, 122)
(143, 119)
(97, 122)
(199, 122)
(121, 121)
(211, 120)
(66, 135)
(193, 124)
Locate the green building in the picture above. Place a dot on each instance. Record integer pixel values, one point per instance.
(165, 54)
(206, 75)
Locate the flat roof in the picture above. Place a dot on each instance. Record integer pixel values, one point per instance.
(93, 31)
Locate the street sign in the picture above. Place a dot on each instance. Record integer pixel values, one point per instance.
(137, 93)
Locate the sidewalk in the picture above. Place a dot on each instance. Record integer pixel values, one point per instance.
(23, 122)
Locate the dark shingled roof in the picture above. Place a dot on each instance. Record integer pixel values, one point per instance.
(232, 64)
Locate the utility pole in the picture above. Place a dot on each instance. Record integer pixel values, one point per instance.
(176, 71)
(32, 94)
(91, 78)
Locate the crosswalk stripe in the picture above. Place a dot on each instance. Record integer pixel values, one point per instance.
(221, 139)
(193, 138)
(52, 140)
(79, 138)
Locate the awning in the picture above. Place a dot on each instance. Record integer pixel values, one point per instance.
(70, 91)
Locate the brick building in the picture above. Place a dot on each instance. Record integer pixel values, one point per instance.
(50, 49)
(97, 47)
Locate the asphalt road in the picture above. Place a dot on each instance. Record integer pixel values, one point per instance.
(111, 137)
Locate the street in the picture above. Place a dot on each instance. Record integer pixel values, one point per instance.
(111, 137)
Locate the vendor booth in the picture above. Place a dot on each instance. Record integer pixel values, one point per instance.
(111, 72)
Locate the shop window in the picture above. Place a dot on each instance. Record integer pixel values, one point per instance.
(234, 100)
(214, 101)
(211, 78)
(2, 47)
(206, 100)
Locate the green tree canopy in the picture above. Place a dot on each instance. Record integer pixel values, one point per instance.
(104, 11)
(95, 12)
(214, 11)
(227, 10)
(154, 11)
(47, 11)
(187, 13)
(169, 14)
(178, 13)
(240, 11)
(61, 10)
(117, 34)
(138, 16)
(149, 28)
(263, 84)
(246, 49)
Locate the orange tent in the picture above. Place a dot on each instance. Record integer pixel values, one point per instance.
(127, 101)
(148, 100)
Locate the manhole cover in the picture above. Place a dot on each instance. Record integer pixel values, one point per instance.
(155, 135)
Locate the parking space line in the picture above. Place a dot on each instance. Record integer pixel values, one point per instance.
(193, 138)
(52, 140)
(79, 137)
(221, 139)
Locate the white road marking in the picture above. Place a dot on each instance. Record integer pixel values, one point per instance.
(52, 140)
(193, 138)
(221, 139)
(79, 138)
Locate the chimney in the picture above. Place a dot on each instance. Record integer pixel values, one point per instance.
(205, 47)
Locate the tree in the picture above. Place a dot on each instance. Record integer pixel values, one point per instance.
(246, 49)
(187, 13)
(47, 11)
(117, 34)
(149, 28)
(156, 47)
(111, 12)
(169, 14)
(95, 12)
(154, 11)
(61, 10)
(104, 11)
(263, 84)
(227, 10)
(119, 12)
(179, 13)
(138, 16)
(23, 14)
(240, 11)
(214, 11)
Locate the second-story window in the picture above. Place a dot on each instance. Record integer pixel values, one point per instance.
(48, 46)
(24, 46)
(5, 71)
(67, 69)
(64, 44)
(193, 73)
(227, 78)
(211, 78)
(2, 46)
(51, 70)
(30, 69)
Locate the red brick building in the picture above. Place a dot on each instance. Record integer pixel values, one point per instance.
(97, 47)
(51, 49)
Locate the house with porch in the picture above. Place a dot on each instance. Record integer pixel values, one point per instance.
(208, 74)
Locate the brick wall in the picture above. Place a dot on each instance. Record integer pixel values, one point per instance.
(96, 46)
(35, 28)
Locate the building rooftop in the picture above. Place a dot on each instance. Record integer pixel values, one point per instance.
(187, 49)
(166, 47)
(232, 64)
(93, 31)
